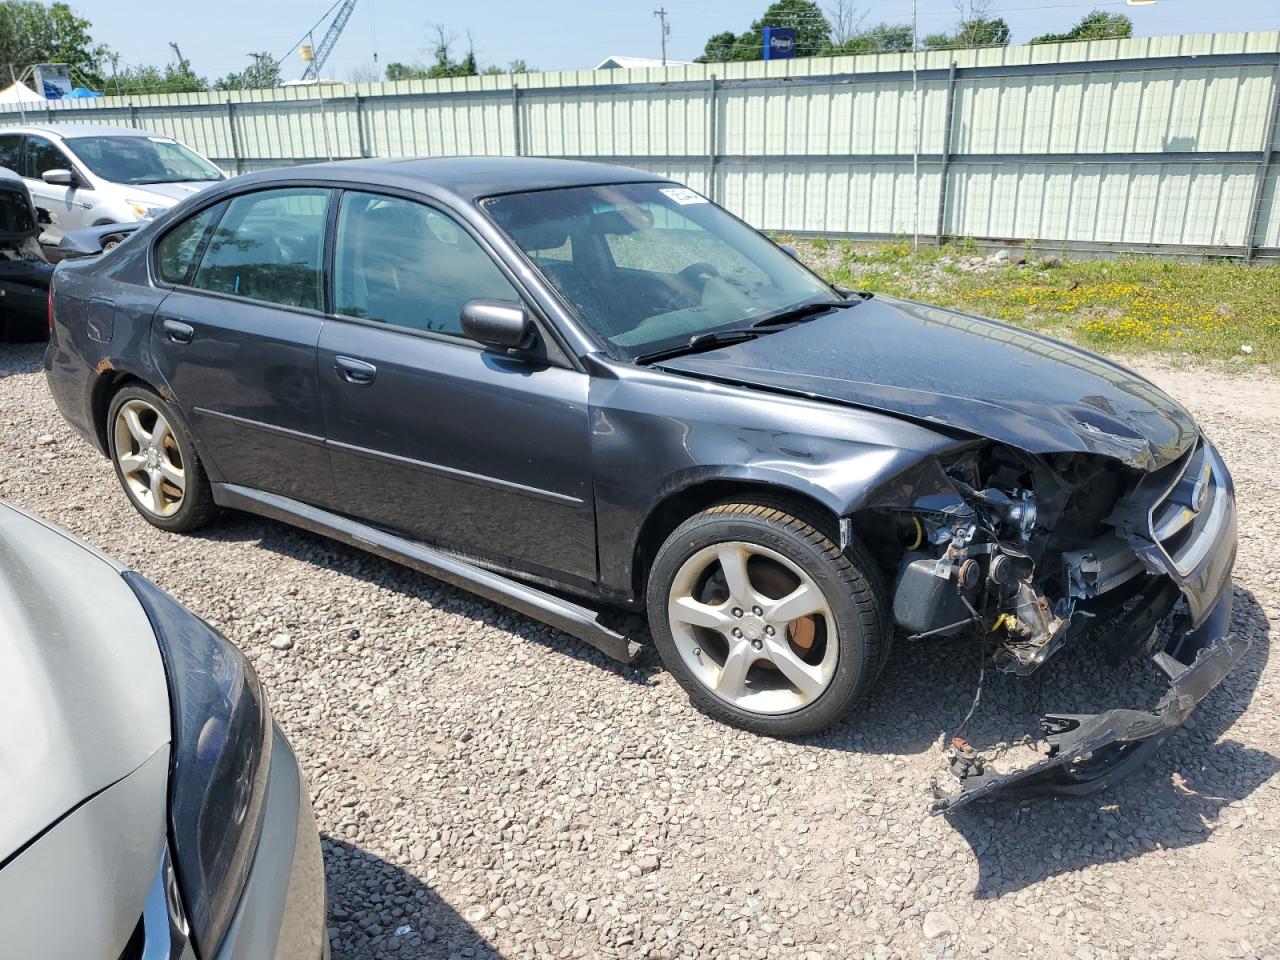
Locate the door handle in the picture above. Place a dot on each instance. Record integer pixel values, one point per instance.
(177, 331)
(355, 371)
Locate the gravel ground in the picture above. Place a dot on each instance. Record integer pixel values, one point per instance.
(487, 787)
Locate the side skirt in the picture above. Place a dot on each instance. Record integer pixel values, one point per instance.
(573, 619)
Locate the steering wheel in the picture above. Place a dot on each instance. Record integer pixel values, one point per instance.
(695, 272)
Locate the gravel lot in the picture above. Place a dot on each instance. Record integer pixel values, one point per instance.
(487, 787)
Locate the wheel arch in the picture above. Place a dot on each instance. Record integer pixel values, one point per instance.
(680, 504)
(110, 382)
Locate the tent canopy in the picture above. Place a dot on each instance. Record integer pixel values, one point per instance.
(20, 93)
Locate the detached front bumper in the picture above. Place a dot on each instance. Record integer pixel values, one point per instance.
(1090, 752)
(1087, 752)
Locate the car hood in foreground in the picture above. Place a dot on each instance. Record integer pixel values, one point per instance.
(978, 376)
(84, 701)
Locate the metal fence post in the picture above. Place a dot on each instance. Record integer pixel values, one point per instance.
(711, 139)
(235, 140)
(1264, 167)
(133, 114)
(515, 117)
(364, 152)
(946, 155)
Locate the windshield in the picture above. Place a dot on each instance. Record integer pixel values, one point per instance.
(650, 265)
(141, 160)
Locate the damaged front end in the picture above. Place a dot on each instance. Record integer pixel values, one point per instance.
(1032, 553)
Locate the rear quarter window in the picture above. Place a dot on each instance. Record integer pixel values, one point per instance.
(176, 251)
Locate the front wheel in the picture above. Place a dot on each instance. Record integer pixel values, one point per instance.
(764, 621)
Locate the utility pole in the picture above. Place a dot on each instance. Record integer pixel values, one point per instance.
(661, 14)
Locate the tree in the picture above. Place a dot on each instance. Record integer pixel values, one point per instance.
(264, 72)
(846, 22)
(406, 71)
(1094, 26)
(813, 33)
(718, 47)
(445, 65)
(172, 78)
(976, 28)
(32, 33)
(882, 38)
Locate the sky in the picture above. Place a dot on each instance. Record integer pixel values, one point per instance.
(557, 34)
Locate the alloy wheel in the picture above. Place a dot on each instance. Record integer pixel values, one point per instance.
(753, 627)
(149, 458)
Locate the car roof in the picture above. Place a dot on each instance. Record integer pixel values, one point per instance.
(74, 131)
(467, 178)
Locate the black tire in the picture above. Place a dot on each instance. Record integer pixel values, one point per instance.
(197, 506)
(851, 586)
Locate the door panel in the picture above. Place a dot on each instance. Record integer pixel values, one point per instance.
(245, 374)
(454, 445)
(244, 369)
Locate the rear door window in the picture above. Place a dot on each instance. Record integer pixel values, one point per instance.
(269, 246)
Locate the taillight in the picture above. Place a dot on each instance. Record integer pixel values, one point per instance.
(50, 308)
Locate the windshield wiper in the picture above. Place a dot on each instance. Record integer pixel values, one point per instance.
(700, 342)
(801, 311)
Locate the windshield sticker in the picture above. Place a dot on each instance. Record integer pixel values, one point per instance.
(683, 195)
(162, 139)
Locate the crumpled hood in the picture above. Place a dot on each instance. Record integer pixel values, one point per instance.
(978, 376)
(84, 700)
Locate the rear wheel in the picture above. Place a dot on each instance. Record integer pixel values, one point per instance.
(764, 621)
(156, 462)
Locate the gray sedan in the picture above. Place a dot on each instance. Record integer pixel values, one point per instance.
(152, 809)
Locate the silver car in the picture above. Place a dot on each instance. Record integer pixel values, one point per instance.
(88, 175)
(151, 808)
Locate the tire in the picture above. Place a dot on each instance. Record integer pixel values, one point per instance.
(148, 471)
(777, 675)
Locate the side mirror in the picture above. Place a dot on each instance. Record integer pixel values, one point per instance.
(503, 324)
(790, 251)
(60, 178)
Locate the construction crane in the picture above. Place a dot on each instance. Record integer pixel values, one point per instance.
(329, 40)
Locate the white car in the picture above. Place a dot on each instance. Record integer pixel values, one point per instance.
(88, 175)
(152, 807)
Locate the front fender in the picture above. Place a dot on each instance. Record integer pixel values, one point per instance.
(656, 436)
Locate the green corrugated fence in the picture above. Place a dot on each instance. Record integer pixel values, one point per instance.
(1167, 144)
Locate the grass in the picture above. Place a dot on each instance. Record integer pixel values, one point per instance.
(1205, 310)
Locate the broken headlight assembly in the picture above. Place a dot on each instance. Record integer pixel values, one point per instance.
(972, 563)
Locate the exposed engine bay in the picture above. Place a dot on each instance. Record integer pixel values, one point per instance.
(1016, 550)
(1029, 553)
